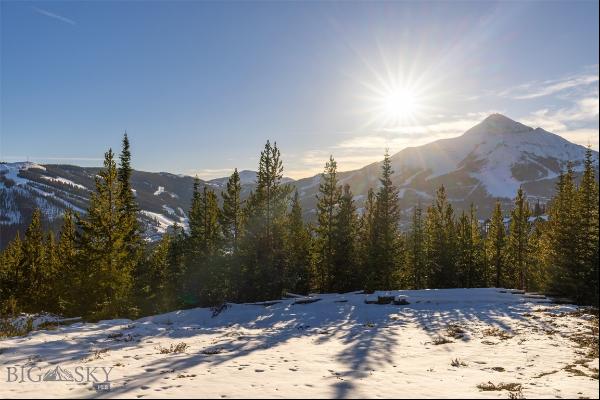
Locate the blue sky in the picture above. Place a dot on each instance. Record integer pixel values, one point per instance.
(200, 86)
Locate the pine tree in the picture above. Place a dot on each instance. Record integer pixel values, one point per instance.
(205, 266)
(328, 200)
(153, 296)
(346, 274)
(177, 273)
(105, 266)
(263, 259)
(388, 243)
(30, 286)
(11, 262)
(518, 242)
(67, 260)
(231, 216)
(561, 240)
(297, 277)
(128, 206)
(465, 258)
(479, 276)
(495, 245)
(367, 248)
(440, 242)
(537, 279)
(587, 209)
(415, 251)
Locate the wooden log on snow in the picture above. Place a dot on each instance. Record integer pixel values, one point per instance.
(307, 300)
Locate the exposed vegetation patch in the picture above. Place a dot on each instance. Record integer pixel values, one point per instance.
(178, 348)
(458, 363)
(497, 332)
(455, 331)
(489, 386)
(441, 340)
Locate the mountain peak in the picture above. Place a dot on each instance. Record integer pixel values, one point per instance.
(498, 124)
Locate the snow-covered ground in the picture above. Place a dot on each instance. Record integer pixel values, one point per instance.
(443, 344)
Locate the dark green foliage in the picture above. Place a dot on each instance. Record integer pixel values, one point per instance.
(231, 216)
(470, 261)
(99, 266)
(416, 274)
(262, 248)
(518, 243)
(346, 273)
(571, 236)
(384, 268)
(440, 242)
(587, 197)
(106, 265)
(297, 242)
(328, 200)
(495, 247)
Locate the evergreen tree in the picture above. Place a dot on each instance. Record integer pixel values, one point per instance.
(30, 286)
(368, 251)
(205, 267)
(48, 295)
(67, 260)
(518, 242)
(538, 276)
(328, 200)
(416, 262)
(11, 262)
(231, 216)
(465, 258)
(587, 209)
(346, 274)
(480, 270)
(153, 296)
(440, 242)
(177, 272)
(128, 207)
(388, 241)
(561, 240)
(105, 266)
(263, 252)
(495, 245)
(297, 277)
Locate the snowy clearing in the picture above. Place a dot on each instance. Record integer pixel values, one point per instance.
(474, 343)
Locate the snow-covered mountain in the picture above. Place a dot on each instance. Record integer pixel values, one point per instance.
(489, 161)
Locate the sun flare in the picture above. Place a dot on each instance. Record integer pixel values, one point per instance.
(395, 99)
(399, 104)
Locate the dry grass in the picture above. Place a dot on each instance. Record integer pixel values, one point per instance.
(489, 386)
(441, 340)
(496, 332)
(458, 363)
(7, 329)
(178, 348)
(455, 331)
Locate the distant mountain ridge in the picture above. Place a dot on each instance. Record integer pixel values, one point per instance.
(490, 160)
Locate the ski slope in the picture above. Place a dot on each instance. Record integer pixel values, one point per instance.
(337, 346)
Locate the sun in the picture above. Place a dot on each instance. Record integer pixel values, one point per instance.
(393, 103)
(399, 105)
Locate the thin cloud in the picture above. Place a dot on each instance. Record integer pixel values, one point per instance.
(534, 90)
(53, 15)
(39, 159)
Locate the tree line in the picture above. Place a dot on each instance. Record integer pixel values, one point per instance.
(244, 250)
